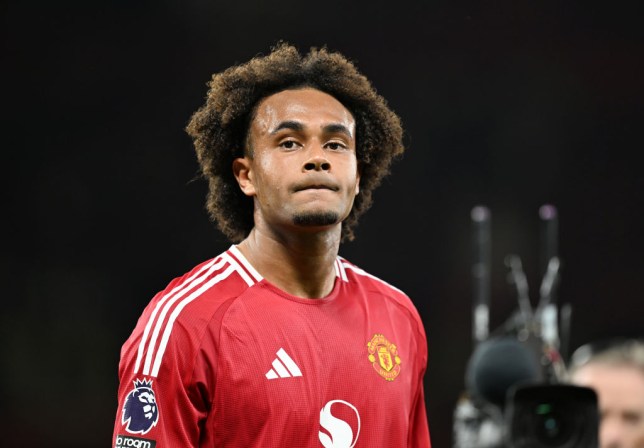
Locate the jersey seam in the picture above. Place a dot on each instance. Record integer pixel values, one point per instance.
(230, 301)
(409, 312)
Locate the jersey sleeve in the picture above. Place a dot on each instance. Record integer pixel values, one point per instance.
(164, 409)
(168, 365)
(418, 426)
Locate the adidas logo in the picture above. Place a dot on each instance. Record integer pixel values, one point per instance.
(283, 367)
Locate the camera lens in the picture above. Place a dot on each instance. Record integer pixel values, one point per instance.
(552, 427)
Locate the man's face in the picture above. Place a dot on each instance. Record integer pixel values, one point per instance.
(302, 171)
(620, 390)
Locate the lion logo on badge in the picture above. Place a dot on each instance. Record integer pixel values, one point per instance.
(140, 411)
(383, 356)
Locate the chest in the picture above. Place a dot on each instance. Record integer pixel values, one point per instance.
(310, 370)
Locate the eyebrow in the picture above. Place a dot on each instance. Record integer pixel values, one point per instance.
(332, 128)
(293, 125)
(337, 128)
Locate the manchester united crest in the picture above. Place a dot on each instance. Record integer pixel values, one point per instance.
(383, 356)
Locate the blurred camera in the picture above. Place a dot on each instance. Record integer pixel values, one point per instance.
(516, 396)
(552, 416)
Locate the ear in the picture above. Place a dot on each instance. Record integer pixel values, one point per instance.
(359, 169)
(244, 175)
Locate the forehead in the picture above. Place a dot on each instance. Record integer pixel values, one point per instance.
(310, 106)
(615, 384)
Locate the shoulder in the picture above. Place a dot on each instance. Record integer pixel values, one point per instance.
(398, 305)
(354, 274)
(361, 278)
(203, 288)
(175, 321)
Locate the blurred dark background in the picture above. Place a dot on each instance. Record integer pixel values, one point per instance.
(509, 104)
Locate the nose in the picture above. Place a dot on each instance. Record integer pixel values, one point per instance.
(317, 164)
(317, 160)
(611, 434)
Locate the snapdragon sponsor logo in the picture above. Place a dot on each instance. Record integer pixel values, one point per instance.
(341, 427)
(133, 442)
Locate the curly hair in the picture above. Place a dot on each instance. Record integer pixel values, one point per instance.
(220, 127)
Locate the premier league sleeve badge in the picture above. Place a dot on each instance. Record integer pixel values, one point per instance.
(140, 411)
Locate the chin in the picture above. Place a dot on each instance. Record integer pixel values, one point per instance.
(315, 219)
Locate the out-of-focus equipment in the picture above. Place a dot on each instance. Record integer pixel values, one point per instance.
(552, 415)
(515, 393)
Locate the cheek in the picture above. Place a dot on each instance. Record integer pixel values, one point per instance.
(265, 164)
(357, 177)
(267, 176)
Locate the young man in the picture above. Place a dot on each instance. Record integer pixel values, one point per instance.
(616, 372)
(280, 342)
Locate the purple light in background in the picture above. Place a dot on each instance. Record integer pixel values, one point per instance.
(548, 212)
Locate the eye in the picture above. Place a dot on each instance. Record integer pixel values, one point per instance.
(336, 146)
(289, 144)
(632, 418)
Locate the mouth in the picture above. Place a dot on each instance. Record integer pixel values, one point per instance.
(305, 187)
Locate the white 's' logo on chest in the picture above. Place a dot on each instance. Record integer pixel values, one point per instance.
(339, 432)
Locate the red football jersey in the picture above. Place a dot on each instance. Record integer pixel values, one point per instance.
(222, 358)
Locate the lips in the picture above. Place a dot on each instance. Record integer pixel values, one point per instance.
(316, 186)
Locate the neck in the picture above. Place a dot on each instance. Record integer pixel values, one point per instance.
(299, 264)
